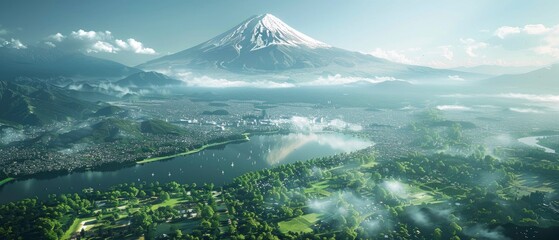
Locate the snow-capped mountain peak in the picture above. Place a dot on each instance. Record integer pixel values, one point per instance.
(263, 31)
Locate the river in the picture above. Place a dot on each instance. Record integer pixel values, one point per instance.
(218, 165)
(533, 141)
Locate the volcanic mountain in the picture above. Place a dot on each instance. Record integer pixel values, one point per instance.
(265, 45)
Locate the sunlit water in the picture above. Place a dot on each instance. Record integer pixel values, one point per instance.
(218, 166)
(533, 141)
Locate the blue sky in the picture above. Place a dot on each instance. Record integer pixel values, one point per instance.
(433, 33)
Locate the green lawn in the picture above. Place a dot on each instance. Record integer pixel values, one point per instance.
(299, 224)
(186, 226)
(171, 202)
(319, 188)
(369, 165)
(74, 227)
(527, 184)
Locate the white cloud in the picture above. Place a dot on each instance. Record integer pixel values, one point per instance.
(12, 43)
(121, 44)
(135, 46)
(542, 99)
(455, 78)
(447, 52)
(50, 44)
(209, 82)
(3, 31)
(58, 37)
(341, 80)
(91, 35)
(101, 46)
(96, 42)
(206, 81)
(550, 44)
(472, 45)
(532, 97)
(503, 31)
(535, 29)
(453, 108)
(391, 55)
(525, 110)
(544, 40)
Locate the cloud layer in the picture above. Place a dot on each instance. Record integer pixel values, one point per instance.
(96, 42)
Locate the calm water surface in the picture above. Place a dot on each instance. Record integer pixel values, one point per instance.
(218, 166)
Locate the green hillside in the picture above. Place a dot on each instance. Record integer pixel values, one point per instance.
(34, 103)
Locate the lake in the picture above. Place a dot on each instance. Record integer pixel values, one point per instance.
(218, 166)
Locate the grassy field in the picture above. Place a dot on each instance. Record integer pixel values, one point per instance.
(6, 180)
(185, 226)
(246, 138)
(319, 188)
(74, 227)
(171, 202)
(527, 184)
(299, 224)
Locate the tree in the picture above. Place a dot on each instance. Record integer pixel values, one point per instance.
(164, 196)
(207, 212)
(142, 194)
(437, 234)
(178, 233)
(348, 233)
(455, 227)
(206, 224)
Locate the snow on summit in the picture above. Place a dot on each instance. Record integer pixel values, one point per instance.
(262, 31)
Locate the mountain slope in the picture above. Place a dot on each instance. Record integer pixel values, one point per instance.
(109, 130)
(496, 70)
(264, 45)
(544, 79)
(160, 127)
(39, 103)
(46, 62)
(147, 79)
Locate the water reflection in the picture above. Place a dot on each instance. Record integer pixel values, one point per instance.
(292, 142)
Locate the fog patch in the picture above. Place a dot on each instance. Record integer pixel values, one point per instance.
(453, 108)
(455, 78)
(532, 97)
(342, 205)
(115, 89)
(396, 188)
(525, 110)
(501, 140)
(76, 148)
(543, 98)
(270, 81)
(307, 125)
(338, 79)
(482, 232)
(429, 216)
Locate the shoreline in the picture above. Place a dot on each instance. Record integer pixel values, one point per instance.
(6, 180)
(196, 150)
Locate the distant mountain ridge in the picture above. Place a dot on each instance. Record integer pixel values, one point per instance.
(543, 79)
(50, 62)
(496, 70)
(147, 79)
